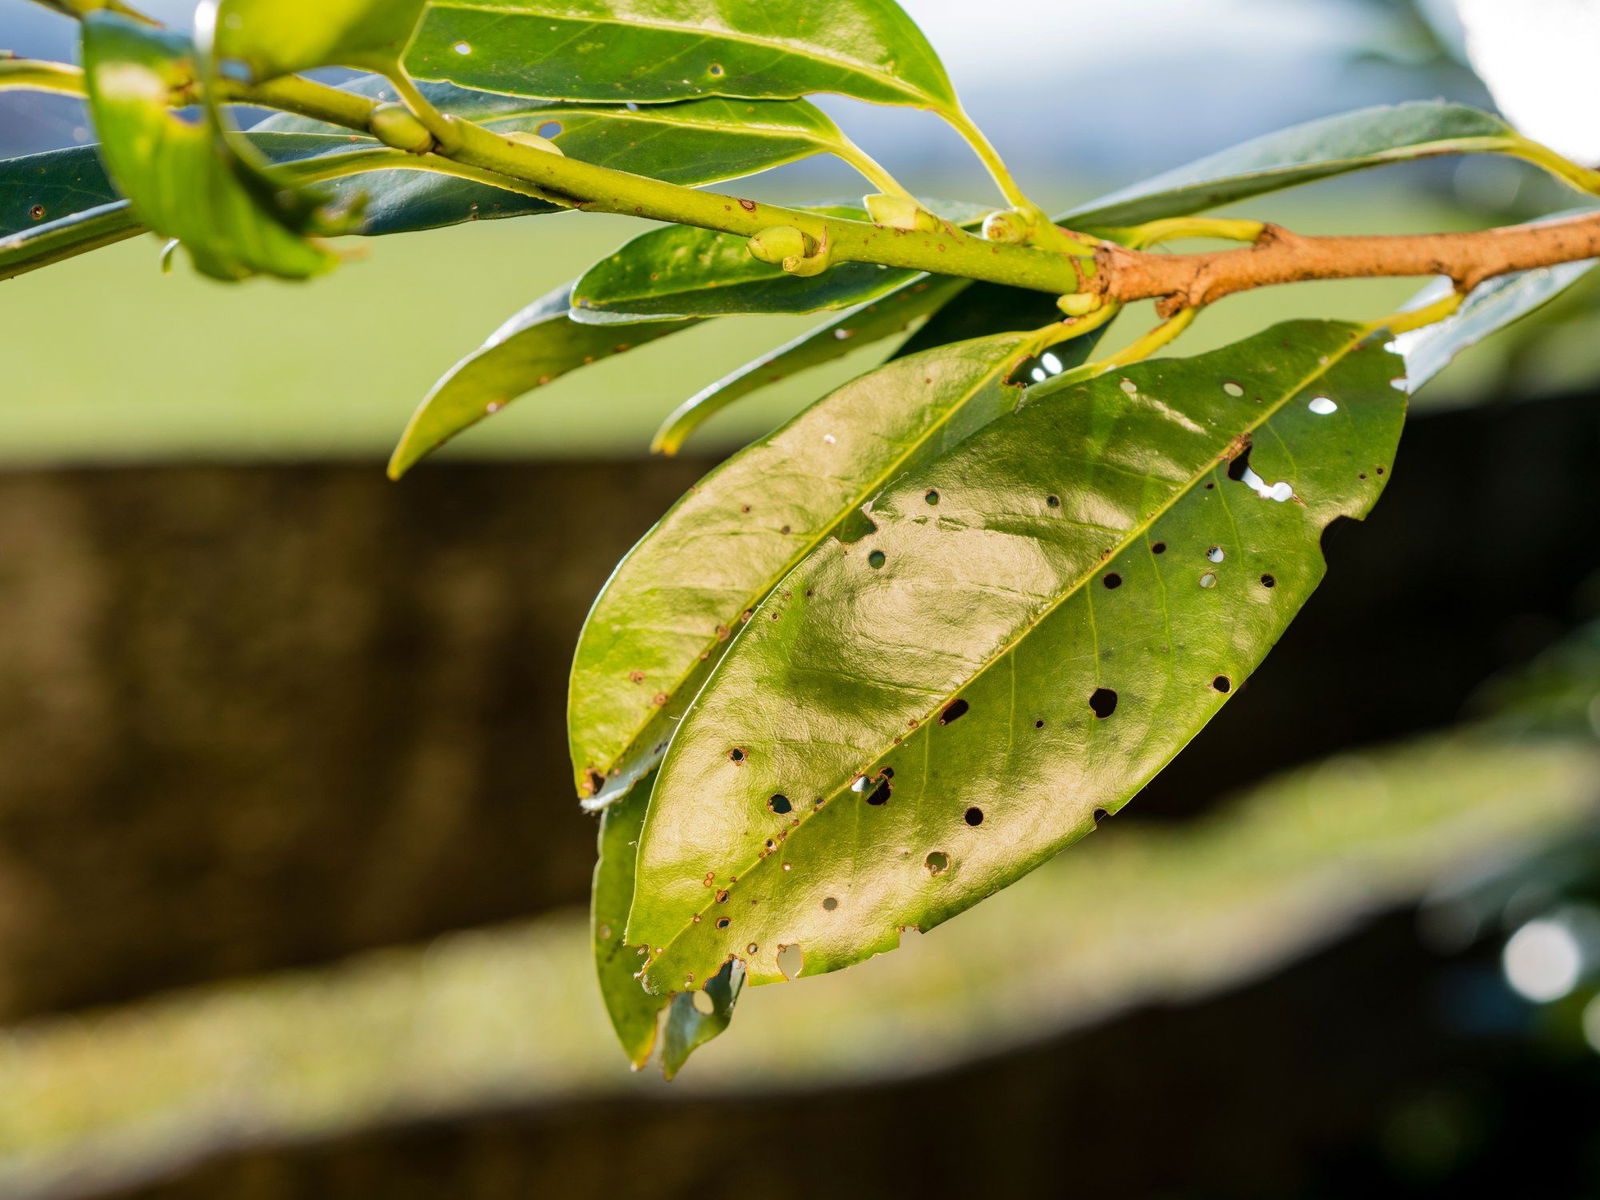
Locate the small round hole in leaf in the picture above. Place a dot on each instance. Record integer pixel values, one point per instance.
(937, 863)
(1104, 702)
(973, 816)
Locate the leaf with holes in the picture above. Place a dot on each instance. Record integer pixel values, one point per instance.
(693, 1018)
(280, 37)
(1033, 626)
(179, 178)
(683, 271)
(655, 50)
(537, 346)
(668, 613)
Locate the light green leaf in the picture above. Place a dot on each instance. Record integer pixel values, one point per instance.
(179, 177)
(1037, 623)
(655, 50)
(680, 270)
(535, 347)
(280, 37)
(1300, 154)
(1488, 308)
(668, 613)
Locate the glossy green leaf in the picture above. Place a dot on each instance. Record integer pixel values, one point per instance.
(635, 1014)
(668, 613)
(29, 249)
(679, 270)
(280, 37)
(655, 50)
(1038, 622)
(853, 328)
(987, 308)
(1300, 154)
(1488, 308)
(179, 178)
(535, 347)
(691, 143)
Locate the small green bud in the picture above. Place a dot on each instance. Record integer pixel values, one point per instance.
(534, 140)
(1078, 304)
(900, 212)
(395, 125)
(779, 244)
(1008, 226)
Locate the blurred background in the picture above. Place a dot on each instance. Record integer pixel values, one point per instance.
(292, 883)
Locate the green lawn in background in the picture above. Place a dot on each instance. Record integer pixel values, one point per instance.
(108, 360)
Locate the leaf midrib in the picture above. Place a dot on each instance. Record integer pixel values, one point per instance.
(1267, 414)
(892, 82)
(1003, 367)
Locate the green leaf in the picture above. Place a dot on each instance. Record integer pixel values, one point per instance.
(691, 143)
(688, 1028)
(1488, 308)
(635, 1014)
(987, 308)
(855, 327)
(29, 249)
(179, 177)
(655, 50)
(280, 37)
(1300, 154)
(950, 699)
(668, 613)
(679, 270)
(535, 347)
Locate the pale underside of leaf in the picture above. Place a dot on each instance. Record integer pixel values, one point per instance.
(934, 719)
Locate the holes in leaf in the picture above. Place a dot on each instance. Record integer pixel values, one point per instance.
(1240, 463)
(36, 212)
(973, 816)
(1159, 548)
(723, 922)
(1223, 684)
(716, 70)
(722, 895)
(1208, 580)
(931, 496)
(1039, 724)
(937, 863)
(954, 711)
(880, 794)
(876, 559)
(1233, 389)
(462, 48)
(1268, 581)
(780, 804)
(830, 903)
(736, 755)
(1053, 501)
(550, 129)
(1322, 406)
(1216, 554)
(1113, 581)
(791, 961)
(752, 948)
(1128, 386)
(1104, 702)
(703, 1004)
(1100, 814)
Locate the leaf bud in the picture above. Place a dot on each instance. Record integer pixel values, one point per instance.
(395, 125)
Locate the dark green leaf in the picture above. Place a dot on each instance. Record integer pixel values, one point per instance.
(1316, 150)
(1489, 308)
(179, 177)
(668, 612)
(280, 37)
(53, 241)
(953, 697)
(858, 326)
(688, 1028)
(987, 308)
(654, 50)
(538, 345)
(635, 1014)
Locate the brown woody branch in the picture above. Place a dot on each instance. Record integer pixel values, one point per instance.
(1182, 281)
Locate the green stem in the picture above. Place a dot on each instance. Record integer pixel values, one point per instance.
(963, 124)
(870, 169)
(444, 129)
(1151, 233)
(38, 76)
(62, 239)
(1583, 178)
(1136, 351)
(1407, 320)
